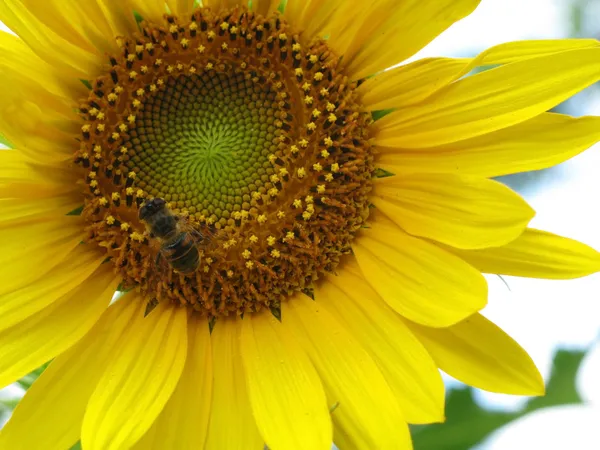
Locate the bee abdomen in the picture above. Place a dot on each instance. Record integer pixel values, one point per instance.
(182, 253)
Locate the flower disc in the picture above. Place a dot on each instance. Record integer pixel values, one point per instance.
(256, 142)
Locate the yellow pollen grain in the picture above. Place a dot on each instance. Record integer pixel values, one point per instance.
(306, 215)
(118, 89)
(100, 116)
(290, 235)
(273, 192)
(313, 58)
(157, 63)
(294, 149)
(283, 172)
(112, 97)
(317, 167)
(132, 75)
(115, 135)
(328, 141)
(173, 29)
(262, 218)
(297, 203)
(329, 177)
(139, 48)
(271, 240)
(311, 126)
(306, 87)
(184, 42)
(123, 150)
(301, 172)
(335, 167)
(310, 208)
(237, 215)
(136, 236)
(211, 34)
(97, 148)
(130, 118)
(129, 191)
(224, 26)
(152, 87)
(125, 226)
(109, 220)
(115, 196)
(253, 239)
(139, 92)
(136, 103)
(256, 195)
(296, 47)
(324, 92)
(224, 46)
(249, 264)
(318, 76)
(316, 113)
(93, 183)
(144, 69)
(103, 201)
(246, 254)
(209, 66)
(94, 112)
(275, 253)
(332, 118)
(193, 26)
(192, 69)
(132, 175)
(303, 143)
(170, 68)
(324, 153)
(201, 48)
(149, 46)
(321, 188)
(208, 261)
(100, 127)
(309, 199)
(85, 128)
(92, 175)
(308, 100)
(272, 158)
(205, 269)
(122, 128)
(298, 71)
(233, 30)
(280, 214)
(274, 178)
(131, 57)
(179, 66)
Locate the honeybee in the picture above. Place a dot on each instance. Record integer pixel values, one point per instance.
(178, 241)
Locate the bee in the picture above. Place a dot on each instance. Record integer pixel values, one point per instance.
(179, 242)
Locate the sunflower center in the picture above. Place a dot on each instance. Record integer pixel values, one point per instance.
(204, 141)
(227, 162)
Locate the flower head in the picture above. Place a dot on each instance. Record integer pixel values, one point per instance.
(300, 234)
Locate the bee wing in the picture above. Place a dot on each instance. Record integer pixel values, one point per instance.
(200, 237)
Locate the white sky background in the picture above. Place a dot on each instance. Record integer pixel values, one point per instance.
(542, 315)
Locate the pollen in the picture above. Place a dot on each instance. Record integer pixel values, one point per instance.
(256, 142)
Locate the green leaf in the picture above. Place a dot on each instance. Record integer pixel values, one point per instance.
(5, 141)
(468, 424)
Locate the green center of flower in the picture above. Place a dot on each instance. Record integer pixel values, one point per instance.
(227, 162)
(203, 143)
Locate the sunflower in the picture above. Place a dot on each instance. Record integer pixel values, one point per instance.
(335, 218)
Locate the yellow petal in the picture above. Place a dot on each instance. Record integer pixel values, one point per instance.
(22, 177)
(181, 8)
(265, 7)
(538, 143)
(416, 278)
(412, 83)
(480, 354)
(52, 409)
(230, 409)
(30, 250)
(405, 28)
(49, 45)
(138, 380)
(18, 212)
(286, 395)
(41, 337)
(536, 254)
(491, 100)
(461, 211)
(402, 359)
(183, 422)
(17, 305)
(367, 414)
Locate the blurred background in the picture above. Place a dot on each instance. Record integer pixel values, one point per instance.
(558, 322)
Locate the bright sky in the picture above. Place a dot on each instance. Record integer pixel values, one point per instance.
(542, 315)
